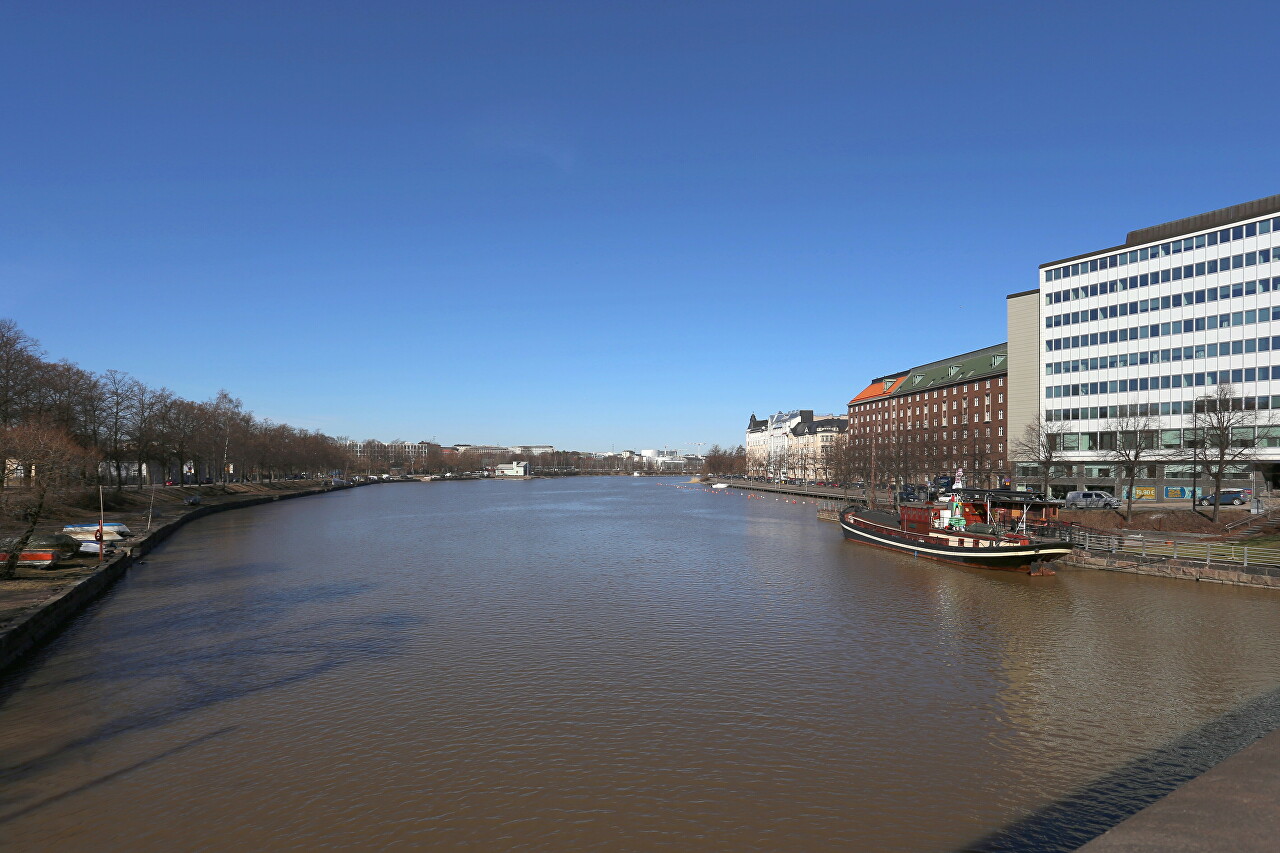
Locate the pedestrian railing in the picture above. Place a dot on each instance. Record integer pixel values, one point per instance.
(1156, 546)
(1201, 552)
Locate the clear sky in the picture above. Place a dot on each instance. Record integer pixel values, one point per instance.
(590, 224)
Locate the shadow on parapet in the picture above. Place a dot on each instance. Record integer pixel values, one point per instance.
(1082, 816)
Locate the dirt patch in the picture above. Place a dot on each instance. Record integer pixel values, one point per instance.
(1169, 520)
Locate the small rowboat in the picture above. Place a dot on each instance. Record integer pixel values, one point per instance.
(42, 551)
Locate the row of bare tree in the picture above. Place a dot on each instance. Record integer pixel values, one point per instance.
(64, 428)
(143, 434)
(725, 461)
(1221, 436)
(375, 457)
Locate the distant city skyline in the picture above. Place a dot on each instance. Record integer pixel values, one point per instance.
(594, 224)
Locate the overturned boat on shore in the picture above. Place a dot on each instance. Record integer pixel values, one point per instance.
(42, 551)
(111, 530)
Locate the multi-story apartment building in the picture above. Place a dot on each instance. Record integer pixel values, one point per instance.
(791, 444)
(1146, 329)
(936, 418)
(810, 443)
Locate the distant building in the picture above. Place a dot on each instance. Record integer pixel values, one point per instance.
(789, 444)
(810, 442)
(531, 449)
(372, 450)
(481, 448)
(512, 469)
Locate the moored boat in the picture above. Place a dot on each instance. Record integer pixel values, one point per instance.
(971, 527)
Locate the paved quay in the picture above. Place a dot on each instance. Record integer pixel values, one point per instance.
(1235, 807)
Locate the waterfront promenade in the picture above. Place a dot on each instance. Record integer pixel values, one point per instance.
(1234, 807)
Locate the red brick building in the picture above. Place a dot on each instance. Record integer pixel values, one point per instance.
(936, 418)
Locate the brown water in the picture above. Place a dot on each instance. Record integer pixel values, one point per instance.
(612, 664)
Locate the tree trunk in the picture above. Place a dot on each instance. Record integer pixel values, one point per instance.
(10, 568)
(1133, 478)
(1217, 491)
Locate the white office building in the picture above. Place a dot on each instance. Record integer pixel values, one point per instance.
(1147, 328)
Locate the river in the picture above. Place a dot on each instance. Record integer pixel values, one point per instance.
(612, 664)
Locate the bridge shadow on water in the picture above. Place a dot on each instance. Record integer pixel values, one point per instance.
(172, 661)
(1090, 811)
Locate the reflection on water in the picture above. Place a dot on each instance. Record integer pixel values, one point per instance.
(612, 663)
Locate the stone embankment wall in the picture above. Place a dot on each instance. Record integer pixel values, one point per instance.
(1229, 573)
(45, 622)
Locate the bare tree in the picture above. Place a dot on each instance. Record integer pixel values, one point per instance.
(1131, 445)
(119, 395)
(1041, 444)
(53, 463)
(976, 456)
(1224, 436)
(863, 463)
(843, 459)
(802, 462)
(146, 430)
(20, 369)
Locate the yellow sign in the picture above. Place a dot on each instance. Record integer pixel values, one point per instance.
(1144, 493)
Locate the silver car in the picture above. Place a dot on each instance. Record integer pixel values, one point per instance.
(1082, 500)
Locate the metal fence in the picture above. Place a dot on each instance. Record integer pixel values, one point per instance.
(1156, 545)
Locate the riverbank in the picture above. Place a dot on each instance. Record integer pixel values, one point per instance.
(39, 603)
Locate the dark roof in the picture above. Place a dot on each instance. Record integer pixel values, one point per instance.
(966, 367)
(814, 427)
(1188, 225)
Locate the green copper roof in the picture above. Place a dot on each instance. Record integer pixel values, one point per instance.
(979, 364)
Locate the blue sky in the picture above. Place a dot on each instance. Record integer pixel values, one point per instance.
(590, 224)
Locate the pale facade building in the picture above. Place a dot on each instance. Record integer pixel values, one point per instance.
(790, 444)
(1146, 329)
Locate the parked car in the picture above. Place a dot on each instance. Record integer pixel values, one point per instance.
(1084, 500)
(1234, 497)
